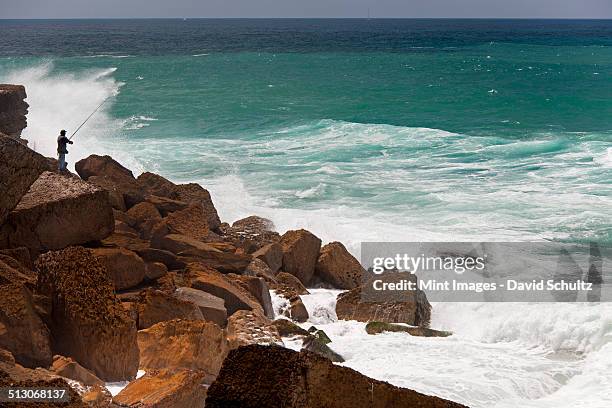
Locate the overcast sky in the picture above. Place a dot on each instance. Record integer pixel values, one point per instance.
(305, 8)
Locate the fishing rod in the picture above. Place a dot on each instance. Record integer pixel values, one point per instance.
(89, 117)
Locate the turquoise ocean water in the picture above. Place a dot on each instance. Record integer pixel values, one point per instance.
(359, 129)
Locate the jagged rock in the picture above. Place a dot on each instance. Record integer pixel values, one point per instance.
(166, 205)
(6, 357)
(300, 254)
(251, 233)
(97, 396)
(192, 193)
(183, 344)
(126, 240)
(191, 222)
(21, 330)
(164, 389)
(68, 368)
(366, 304)
(315, 345)
(297, 310)
(87, 321)
(56, 212)
(258, 288)
(246, 327)
(12, 375)
(284, 278)
(159, 255)
(20, 254)
(115, 175)
(115, 195)
(12, 271)
(123, 216)
(286, 328)
(13, 110)
(191, 250)
(258, 268)
(212, 307)
(155, 270)
(155, 306)
(217, 284)
(338, 267)
(143, 212)
(272, 255)
(287, 378)
(123, 228)
(19, 169)
(125, 269)
(381, 327)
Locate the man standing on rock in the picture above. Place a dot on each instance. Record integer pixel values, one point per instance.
(62, 141)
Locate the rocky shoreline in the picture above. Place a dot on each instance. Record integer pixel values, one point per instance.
(104, 274)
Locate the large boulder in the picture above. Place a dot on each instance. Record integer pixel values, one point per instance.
(192, 250)
(251, 233)
(153, 184)
(87, 321)
(258, 288)
(166, 205)
(380, 327)
(338, 267)
(286, 280)
(21, 330)
(366, 304)
(300, 253)
(109, 172)
(287, 378)
(183, 344)
(155, 306)
(56, 212)
(245, 327)
(144, 218)
(164, 389)
(212, 307)
(13, 110)
(68, 368)
(210, 281)
(272, 255)
(19, 168)
(124, 267)
(191, 222)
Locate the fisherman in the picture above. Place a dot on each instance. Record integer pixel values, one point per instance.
(62, 141)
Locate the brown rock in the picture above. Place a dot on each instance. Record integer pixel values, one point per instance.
(284, 278)
(297, 310)
(315, 345)
(258, 288)
(127, 241)
(123, 228)
(58, 211)
(155, 306)
(272, 255)
(212, 307)
(245, 327)
(191, 222)
(166, 205)
(21, 330)
(215, 283)
(159, 255)
(380, 327)
(125, 269)
(183, 344)
(117, 176)
(122, 216)
(13, 110)
(155, 270)
(365, 304)
(115, 194)
(19, 169)
(87, 321)
(20, 254)
(191, 250)
(287, 378)
(68, 368)
(286, 328)
(338, 267)
(19, 377)
(300, 254)
(154, 184)
(251, 233)
(12, 271)
(142, 212)
(258, 268)
(164, 389)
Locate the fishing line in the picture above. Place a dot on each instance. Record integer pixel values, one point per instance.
(89, 117)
